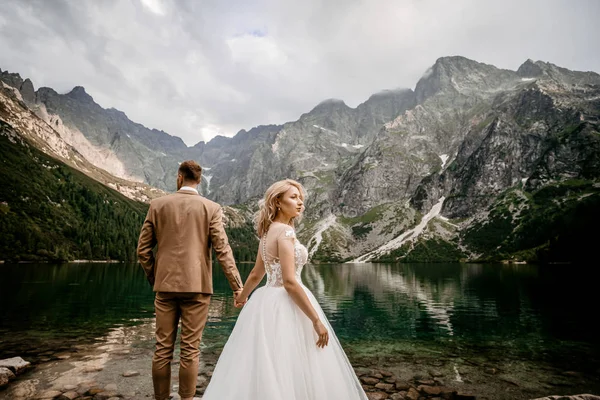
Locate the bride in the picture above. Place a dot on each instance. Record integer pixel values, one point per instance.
(282, 346)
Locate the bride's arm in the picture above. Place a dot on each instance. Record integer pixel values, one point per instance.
(254, 278)
(296, 292)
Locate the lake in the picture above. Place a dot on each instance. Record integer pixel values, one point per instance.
(531, 325)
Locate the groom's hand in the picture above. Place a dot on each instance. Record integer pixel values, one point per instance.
(237, 301)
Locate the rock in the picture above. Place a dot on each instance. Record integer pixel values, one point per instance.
(435, 374)
(68, 396)
(369, 380)
(49, 394)
(94, 391)
(412, 394)
(6, 375)
(377, 395)
(429, 390)
(24, 390)
(464, 396)
(68, 388)
(128, 374)
(83, 389)
(15, 364)
(396, 396)
(402, 385)
(105, 395)
(377, 375)
(388, 387)
(491, 370)
(386, 374)
(362, 371)
(111, 387)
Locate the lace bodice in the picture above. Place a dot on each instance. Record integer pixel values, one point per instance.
(272, 264)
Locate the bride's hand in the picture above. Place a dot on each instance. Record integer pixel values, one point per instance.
(322, 332)
(237, 300)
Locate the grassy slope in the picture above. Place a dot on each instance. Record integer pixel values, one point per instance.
(49, 211)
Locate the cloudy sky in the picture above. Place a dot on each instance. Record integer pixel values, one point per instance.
(198, 68)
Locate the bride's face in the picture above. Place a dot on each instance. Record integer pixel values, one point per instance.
(290, 204)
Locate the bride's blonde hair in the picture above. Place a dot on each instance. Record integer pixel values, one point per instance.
(267, 208)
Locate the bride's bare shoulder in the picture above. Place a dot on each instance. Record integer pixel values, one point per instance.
(278, 229)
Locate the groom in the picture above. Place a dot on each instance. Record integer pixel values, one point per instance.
(186, 227)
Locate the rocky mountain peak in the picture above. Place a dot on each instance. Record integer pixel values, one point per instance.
(79, 93)
(530, 69)
(460, 75)
(11, 78)
(27, 91)
(330, 104)
(219, 141)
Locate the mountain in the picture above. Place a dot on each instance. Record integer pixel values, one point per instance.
(49, 134)
(477, 134)
(57, 205)
(477, 163)
(50, 211)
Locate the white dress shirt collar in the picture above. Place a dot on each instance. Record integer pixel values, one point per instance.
(191, 189)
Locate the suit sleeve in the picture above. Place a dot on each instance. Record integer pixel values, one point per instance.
(146, 243)
(220, 243)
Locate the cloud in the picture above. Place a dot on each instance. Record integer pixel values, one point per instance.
(196, 69)
(154, 6)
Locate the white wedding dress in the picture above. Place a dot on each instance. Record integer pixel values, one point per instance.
(272, 352)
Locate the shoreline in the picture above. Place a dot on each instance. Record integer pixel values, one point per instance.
(119, 365)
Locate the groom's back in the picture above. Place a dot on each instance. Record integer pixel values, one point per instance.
(183, 236)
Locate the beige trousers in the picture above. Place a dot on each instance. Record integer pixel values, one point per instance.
(192, 310)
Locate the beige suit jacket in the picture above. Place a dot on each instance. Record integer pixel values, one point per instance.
(185, 227)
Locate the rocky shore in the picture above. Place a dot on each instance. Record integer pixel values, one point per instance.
(118, 367)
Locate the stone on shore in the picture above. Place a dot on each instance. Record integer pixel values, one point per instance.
(388, 387)
(128, 374)
(69, 396)
(368, 380)
(412, 394)
(15, 364)
(377, 395)
(6, 375)
(48, 394)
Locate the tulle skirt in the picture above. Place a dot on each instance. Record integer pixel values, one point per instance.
(272, 355)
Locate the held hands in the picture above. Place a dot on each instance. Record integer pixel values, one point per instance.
(322, 332)
(238, 302)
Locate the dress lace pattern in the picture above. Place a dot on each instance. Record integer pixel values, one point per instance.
(273, 267)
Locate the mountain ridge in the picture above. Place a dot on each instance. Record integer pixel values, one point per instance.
(466, 134)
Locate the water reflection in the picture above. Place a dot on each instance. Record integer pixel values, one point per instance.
(514, 309)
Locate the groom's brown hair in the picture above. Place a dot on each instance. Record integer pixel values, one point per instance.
(190, 170)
